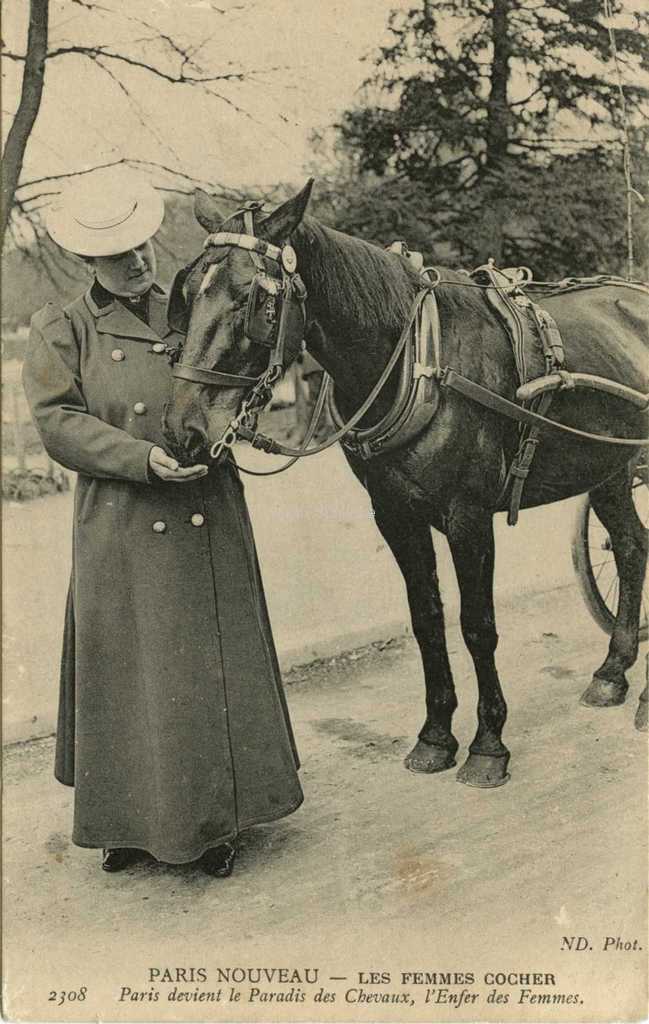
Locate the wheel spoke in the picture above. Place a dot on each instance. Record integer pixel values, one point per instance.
(611, 586)
(604, 566)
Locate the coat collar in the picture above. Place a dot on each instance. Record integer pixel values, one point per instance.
(115, 318)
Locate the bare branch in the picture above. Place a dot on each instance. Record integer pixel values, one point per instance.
(521, 103)
(190, 182)
(93, 52)
(109, 163)
(136, 108)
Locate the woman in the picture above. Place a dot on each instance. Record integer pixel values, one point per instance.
(173, 727)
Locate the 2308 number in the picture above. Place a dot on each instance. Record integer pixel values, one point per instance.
(74, 996)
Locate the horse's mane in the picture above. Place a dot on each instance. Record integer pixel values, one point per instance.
(361, 282)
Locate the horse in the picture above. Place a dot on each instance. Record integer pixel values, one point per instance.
(359, 300)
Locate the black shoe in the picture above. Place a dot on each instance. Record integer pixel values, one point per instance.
(219, 861)
(118, 858)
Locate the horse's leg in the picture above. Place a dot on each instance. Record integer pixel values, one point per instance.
(613, 504)
(471, 539)
(411, 543)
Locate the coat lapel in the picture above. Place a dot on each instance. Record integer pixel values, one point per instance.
(116, 319)
(158, 313)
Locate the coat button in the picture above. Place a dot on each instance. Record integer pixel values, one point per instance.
(159, 526)
(117, 355)
(159, 348)
(197, 519)
(139, 408)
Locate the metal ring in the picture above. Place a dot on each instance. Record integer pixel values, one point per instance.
(226, 441)
(428, 270)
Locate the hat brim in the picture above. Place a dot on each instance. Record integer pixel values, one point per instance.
(138, 227)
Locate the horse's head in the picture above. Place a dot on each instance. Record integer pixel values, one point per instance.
(241, 305)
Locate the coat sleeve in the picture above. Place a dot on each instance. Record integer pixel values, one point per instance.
(70, 435)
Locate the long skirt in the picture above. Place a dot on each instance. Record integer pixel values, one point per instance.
(173, 726)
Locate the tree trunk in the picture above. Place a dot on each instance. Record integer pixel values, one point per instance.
(30, 101)
(497, 135)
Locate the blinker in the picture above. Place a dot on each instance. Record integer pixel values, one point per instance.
(261, 311)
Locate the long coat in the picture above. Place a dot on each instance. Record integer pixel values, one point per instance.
(173, 725)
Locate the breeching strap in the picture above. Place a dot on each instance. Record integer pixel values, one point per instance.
(456, 382)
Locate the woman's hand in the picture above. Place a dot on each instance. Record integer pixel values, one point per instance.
(167, 468)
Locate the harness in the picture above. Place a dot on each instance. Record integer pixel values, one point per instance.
(422, 375)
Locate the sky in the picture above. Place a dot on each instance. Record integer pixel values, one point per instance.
(307, 58)
(307, 55)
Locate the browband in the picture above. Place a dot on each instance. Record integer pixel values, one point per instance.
(249, 242)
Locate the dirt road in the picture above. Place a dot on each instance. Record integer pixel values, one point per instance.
(380, 870)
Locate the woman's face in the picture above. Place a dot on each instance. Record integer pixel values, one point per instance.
(127, 273)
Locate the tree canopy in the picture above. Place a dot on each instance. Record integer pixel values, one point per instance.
(498, 124)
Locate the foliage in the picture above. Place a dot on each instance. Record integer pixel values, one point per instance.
(24, 484)
(41, 272)
(495, 124)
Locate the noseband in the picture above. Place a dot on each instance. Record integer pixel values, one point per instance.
(263, 324)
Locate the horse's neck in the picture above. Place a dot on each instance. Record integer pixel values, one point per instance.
(354, 325)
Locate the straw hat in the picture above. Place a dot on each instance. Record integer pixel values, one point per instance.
(103, 217)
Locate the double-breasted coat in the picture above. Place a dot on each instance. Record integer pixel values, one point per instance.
(173, 727)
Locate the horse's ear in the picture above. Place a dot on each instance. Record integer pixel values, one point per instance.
(206, 211)
(282, 221)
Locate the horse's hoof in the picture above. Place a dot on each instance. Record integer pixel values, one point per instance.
(484, 771)
(641, 714)
(428, 759)
(605, 693)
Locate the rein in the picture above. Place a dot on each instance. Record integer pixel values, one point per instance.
(267, 444)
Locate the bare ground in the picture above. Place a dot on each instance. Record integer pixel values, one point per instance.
(380, 869)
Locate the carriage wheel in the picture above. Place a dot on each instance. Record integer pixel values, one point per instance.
(592, 557)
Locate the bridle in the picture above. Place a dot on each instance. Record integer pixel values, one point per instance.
(263, 325)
